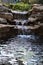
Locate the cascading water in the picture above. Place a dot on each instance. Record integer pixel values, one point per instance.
(23, 49)
(26, 50)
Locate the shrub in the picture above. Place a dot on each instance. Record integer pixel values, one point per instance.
(20, 6)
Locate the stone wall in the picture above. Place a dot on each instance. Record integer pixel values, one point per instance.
(36, 17)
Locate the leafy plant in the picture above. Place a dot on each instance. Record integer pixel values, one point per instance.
(21, 6)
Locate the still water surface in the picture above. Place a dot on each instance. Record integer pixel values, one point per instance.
(26, 48)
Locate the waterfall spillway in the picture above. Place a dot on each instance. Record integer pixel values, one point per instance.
(20, 19)
(23, 25)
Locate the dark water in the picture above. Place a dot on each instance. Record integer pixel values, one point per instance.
(26, 48)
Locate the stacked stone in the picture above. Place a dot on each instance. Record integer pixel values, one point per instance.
(36, 17)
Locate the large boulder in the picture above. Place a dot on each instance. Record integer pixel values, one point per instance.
(36, 18)
(7, 30)
(37, 12)
(5, 13)
(38, 7)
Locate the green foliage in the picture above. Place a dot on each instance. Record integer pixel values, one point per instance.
(19, 6)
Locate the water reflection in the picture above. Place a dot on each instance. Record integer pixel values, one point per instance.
(26, 48)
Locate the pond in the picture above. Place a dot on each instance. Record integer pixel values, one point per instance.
(22, 50)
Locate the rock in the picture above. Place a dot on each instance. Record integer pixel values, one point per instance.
(7, 30)
(18, 22)
(19, 62)
(15, 22)
(13, 62)
(31, 19)
(36, 17)
(4, 9)
(8, 16)
(38, 8)
(3, 21)
(20, 27)
(20, 15)
(36, 5)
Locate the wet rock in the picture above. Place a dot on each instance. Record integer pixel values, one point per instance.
(13, 62)
(15, 22)
(38, 7)
(8, 16)
(4, 9)
(6, 30)
(19, 62)
(36, 18)
(5, 13)
(32, 21)
(37, 12)
(20, 15)
(3, 21)
(18, 22)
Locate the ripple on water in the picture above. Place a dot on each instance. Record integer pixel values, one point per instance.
(21, 48)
